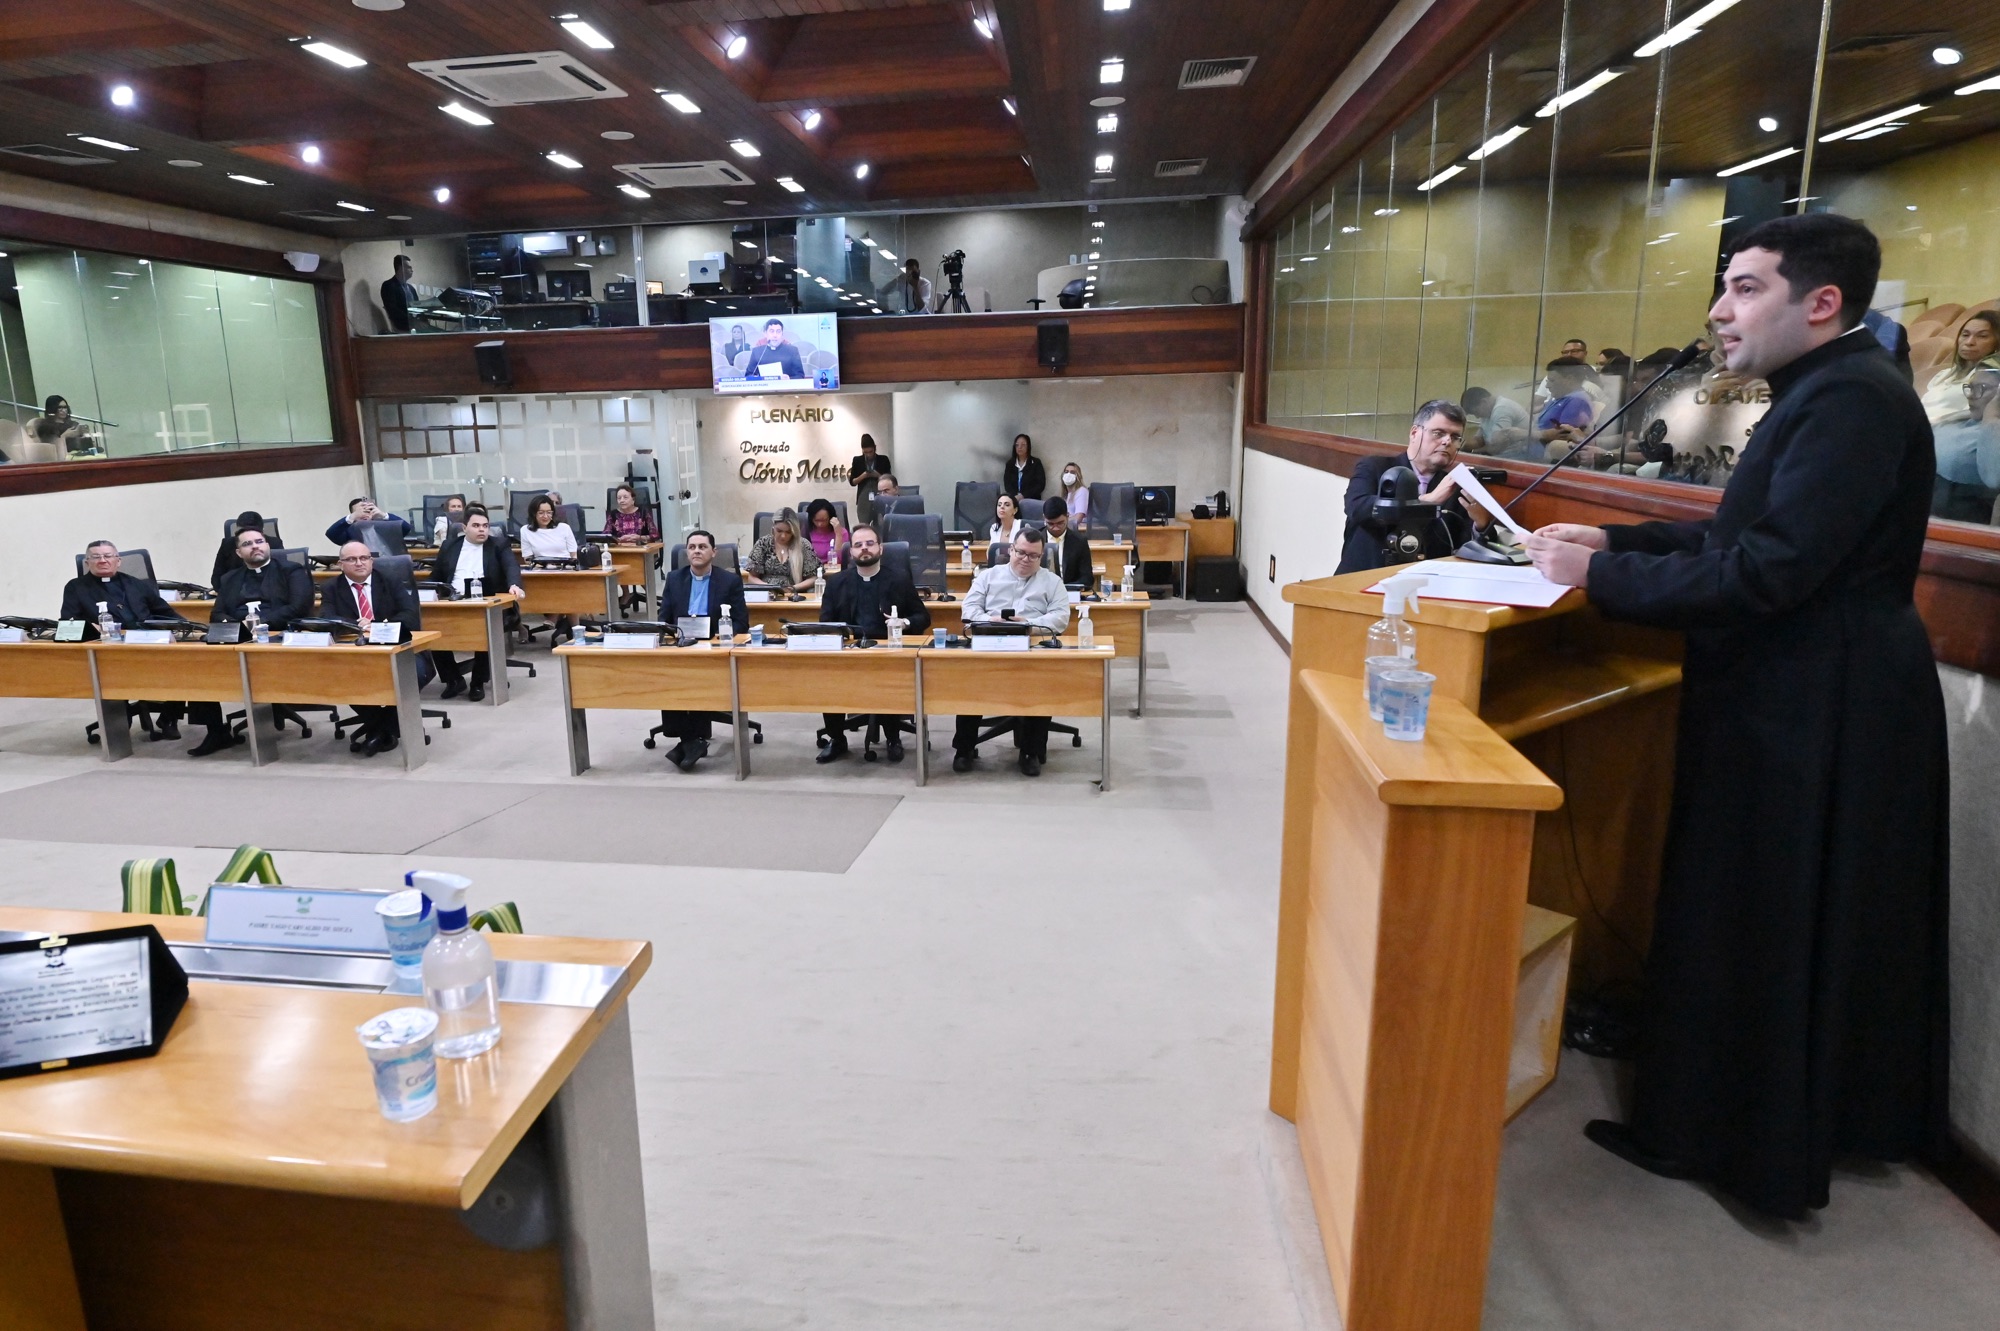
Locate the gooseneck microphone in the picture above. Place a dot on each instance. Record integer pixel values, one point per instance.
(1687, 356)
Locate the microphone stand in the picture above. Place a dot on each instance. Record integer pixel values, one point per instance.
(1482, 550)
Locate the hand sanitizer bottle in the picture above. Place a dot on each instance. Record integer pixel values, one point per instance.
(604, 561)
(965, 554)
(896, 622)
(819, 583)
(1127, 588)
(1392, 643)
(1086, 635)
(726, 632)
(259, 630)
(459, 983)
(108, 627)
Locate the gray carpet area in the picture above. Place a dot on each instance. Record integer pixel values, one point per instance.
(591, 825)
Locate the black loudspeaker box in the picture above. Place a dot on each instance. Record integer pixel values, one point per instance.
(1218, 579)
(1052, 343)
(491, 358)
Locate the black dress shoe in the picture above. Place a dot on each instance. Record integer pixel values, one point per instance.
(829, 753)
(217, 741)
(895, 749)
(453, 690)
(381, 744)
(1030, 765)
(678, 755)
(477, 693)
(168, 730)
(961, 761)
(359, 742)
(1618, 1139)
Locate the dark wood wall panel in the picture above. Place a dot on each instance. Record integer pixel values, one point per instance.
(56, 229)
(1176, 339)
(41, 478)
(1958, 593)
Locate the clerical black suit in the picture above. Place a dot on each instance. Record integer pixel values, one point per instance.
(1361, 544)
(387, 600)
(1795, 1002)
(130, 600)
(283, 592)
(865, 603)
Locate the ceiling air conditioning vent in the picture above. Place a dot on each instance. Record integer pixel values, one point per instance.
(315, 215)
(1216, 73)
(520, 80)
(48, 152)
(683, 175)
(1182, 166)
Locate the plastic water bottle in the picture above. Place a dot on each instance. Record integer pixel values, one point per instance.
(604, 563)
(259, 631)
(108, 627)
(1086, 634)
(727, 631)
(1127, 586)
(459, 980)
(965, 553)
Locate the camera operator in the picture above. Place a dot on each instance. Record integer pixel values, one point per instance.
(910, 290)
(1432, 452)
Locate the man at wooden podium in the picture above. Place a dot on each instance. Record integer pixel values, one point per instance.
(1795, 1000)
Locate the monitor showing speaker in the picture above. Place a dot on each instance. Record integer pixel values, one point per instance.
(1052, 343)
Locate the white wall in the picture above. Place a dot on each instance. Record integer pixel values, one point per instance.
(760, 454)
(1293, 513)
(180, 522)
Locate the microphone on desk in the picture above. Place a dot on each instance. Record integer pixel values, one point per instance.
(1478, 551)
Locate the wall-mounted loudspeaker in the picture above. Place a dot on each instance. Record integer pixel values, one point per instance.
(491, 357)
(1052, 343)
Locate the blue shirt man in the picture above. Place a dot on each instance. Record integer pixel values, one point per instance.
(698, 593)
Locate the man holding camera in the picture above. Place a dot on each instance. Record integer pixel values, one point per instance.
(909, 292)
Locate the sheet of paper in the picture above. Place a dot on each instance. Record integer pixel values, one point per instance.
(1489, 584)
(1465, 568)
(66, 1002)
(1469, 485)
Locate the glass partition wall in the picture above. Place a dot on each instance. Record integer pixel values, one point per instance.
(152, 357)
(1582, 182)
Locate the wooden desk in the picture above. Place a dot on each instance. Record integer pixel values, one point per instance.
(1165, 543)
(243, 1178)
(253, 677)
(1410, 878)
(586, 592)
(474, 625)
(1122, 619)
(639, 566)
(921, 682)
(1210, 538)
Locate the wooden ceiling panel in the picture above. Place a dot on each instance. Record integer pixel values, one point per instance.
(954, 178)
(977, 127)
(41, 29)
(877, 55)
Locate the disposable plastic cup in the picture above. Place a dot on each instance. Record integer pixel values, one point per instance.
(410, 922)
(937, 637)
(756, 635)
(1374, 668)
(399, 1046)
(1406, 703)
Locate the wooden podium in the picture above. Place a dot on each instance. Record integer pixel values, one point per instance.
(1424, 886)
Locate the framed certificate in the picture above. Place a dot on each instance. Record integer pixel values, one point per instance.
(79, 999)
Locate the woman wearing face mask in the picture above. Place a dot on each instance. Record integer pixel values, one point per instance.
(1076, 494)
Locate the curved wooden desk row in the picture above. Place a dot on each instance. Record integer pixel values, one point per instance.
(587, 591)
(1429, 896)
(243, 1179)
(908, 681)
(248, 675)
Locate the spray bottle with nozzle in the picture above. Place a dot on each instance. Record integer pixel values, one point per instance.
(459, 982)
(1390, 638)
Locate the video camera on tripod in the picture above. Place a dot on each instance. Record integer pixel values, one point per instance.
(953, 267)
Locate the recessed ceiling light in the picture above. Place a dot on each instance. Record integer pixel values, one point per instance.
(1947, 55)
(1102, 102)
(747, 244)
(442, 194)
(112, 144)
(1686, 28)
(122, 95)
(334, 55)
(1090, 268)
(635, 191)
(396, 217)
(186, 163)
(1873, 122)
(744, 148)
(736, 47)
(1117, 6)
(465, 113)
(354, 207)
(310, 154)
(247, 180)
(1769, 124)
(1111, 71)
(983, 28)
(1497, 142)
(1013, 107)
(587, 34)
(1765, 160)
(620, 135)
(737, 203)
(811, 121)
(792, 185)
(1581, 91)
(1453, 170)
(1104, 161)
(887, 254)
(1097, 225)
(1095, 255)
(563, 160)
(379, 7)
(861, 171)
(680, 103)
(1107, 123)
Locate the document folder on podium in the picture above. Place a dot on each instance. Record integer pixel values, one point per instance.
(1436, 897)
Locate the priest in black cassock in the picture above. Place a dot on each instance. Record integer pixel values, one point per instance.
(1795, 1002)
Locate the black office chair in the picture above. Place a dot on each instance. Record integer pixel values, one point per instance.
(384, 538)
(433, 507)
(972, 505)
(572, 515)
(906, 502)
(922, 534)
(725, 557)
(153, 717)
(997, 553)
(760, 526)
(1114, 511)
(400, 569)
(270, 531)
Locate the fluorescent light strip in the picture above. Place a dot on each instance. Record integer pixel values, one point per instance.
(353, 207)
(887, 255)
(1765, 160)
(680, 103)
(1686, 28)
(983, 28)
(1853, 130)
(1579, 92)
(1108, 124)
(1496, 143)
(247, 180)
(1014, 109)
(744, 148)
(1111, 71)
(563, 159)
(329, 52)
(587, 34)
(1984, 85)
(1104, 161)
(792, 185)
(469, 116)
(112, 144)
(635, 191)
(1440, 178)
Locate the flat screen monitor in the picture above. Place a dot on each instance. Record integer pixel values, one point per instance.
(775, 353)
(1155, 504)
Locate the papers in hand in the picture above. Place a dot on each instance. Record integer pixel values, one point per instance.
(1489, 584)
(1470, 487)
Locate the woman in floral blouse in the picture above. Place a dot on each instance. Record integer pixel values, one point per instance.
(783, 559)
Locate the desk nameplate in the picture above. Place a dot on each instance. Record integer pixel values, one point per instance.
(288, 917)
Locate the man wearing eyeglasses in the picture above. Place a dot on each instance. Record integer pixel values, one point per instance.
(368, 597)
(1431, 454)
(102, 589)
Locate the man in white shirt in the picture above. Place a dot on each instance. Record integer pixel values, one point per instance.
(1503, 424)
(1018, 591)
(473, 555)
(908, 292)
